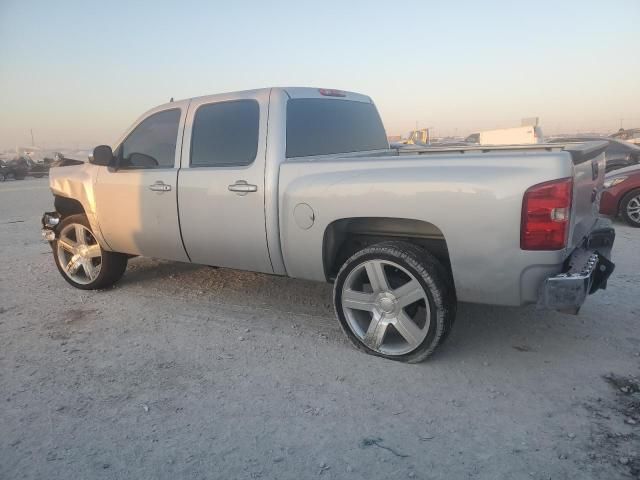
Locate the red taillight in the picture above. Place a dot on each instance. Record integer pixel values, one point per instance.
(545, 215)
(330, 92)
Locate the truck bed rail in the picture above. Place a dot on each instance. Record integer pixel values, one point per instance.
(580, 151)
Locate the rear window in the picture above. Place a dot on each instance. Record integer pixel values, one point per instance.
(318, 126)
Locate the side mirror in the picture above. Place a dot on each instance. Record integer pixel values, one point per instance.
(102, 155)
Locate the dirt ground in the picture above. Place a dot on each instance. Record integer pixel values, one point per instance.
(184, 371)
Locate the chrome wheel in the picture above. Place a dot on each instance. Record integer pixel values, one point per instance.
(386, 307)
(79, 254)
(633, 209)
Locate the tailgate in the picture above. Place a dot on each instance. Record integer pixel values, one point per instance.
(588, 179)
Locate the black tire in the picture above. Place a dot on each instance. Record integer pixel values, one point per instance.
(112, 267)
(435, 280)
(624, 203)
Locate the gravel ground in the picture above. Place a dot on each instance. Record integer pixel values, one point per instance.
(184, 371)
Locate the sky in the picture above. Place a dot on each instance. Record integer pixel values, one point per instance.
(78, 73)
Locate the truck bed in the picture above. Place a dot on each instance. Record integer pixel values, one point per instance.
(586, 192)
(471, 196)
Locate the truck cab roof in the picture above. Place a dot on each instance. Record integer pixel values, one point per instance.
(291, 92)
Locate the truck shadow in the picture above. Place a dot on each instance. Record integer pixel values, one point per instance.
(150, 270)
(482, 333)
(232, 287)
(520, 335)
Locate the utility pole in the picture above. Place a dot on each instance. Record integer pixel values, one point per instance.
(33, 144)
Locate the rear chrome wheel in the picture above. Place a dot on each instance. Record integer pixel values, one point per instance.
(386, 307)
(395, 300)
(79, 253)
(80, 258)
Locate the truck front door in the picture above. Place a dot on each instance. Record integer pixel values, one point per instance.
(221, 183)
(136, 201)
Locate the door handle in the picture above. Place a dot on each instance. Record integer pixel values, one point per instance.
(241, 187)
(160, 186)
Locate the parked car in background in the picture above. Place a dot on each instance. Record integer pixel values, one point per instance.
(18, 168)
(40, 169)
(23, 166)
(619, 153)
(622, 195)
(403, 234)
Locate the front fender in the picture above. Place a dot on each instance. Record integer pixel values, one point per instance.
(77, 182)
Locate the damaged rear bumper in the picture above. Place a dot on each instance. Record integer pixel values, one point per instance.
(584, 272)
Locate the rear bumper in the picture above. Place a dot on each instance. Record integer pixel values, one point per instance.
(585, 271)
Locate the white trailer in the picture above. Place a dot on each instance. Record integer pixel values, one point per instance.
(512, 136)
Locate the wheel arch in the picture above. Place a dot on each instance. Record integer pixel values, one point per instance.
(68, 206)
(345, 236)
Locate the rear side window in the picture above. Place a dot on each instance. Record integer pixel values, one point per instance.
(318, 126)
(225, 134)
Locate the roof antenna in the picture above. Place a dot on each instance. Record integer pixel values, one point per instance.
(171, 100)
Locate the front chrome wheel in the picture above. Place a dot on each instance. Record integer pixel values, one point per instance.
(79, 254)
(386, 307)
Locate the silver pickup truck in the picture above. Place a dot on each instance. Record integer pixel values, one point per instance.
(302, 182)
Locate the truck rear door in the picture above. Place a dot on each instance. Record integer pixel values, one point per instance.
(221, 183)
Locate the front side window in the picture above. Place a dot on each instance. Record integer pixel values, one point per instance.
(225, 134)
(152, 144)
